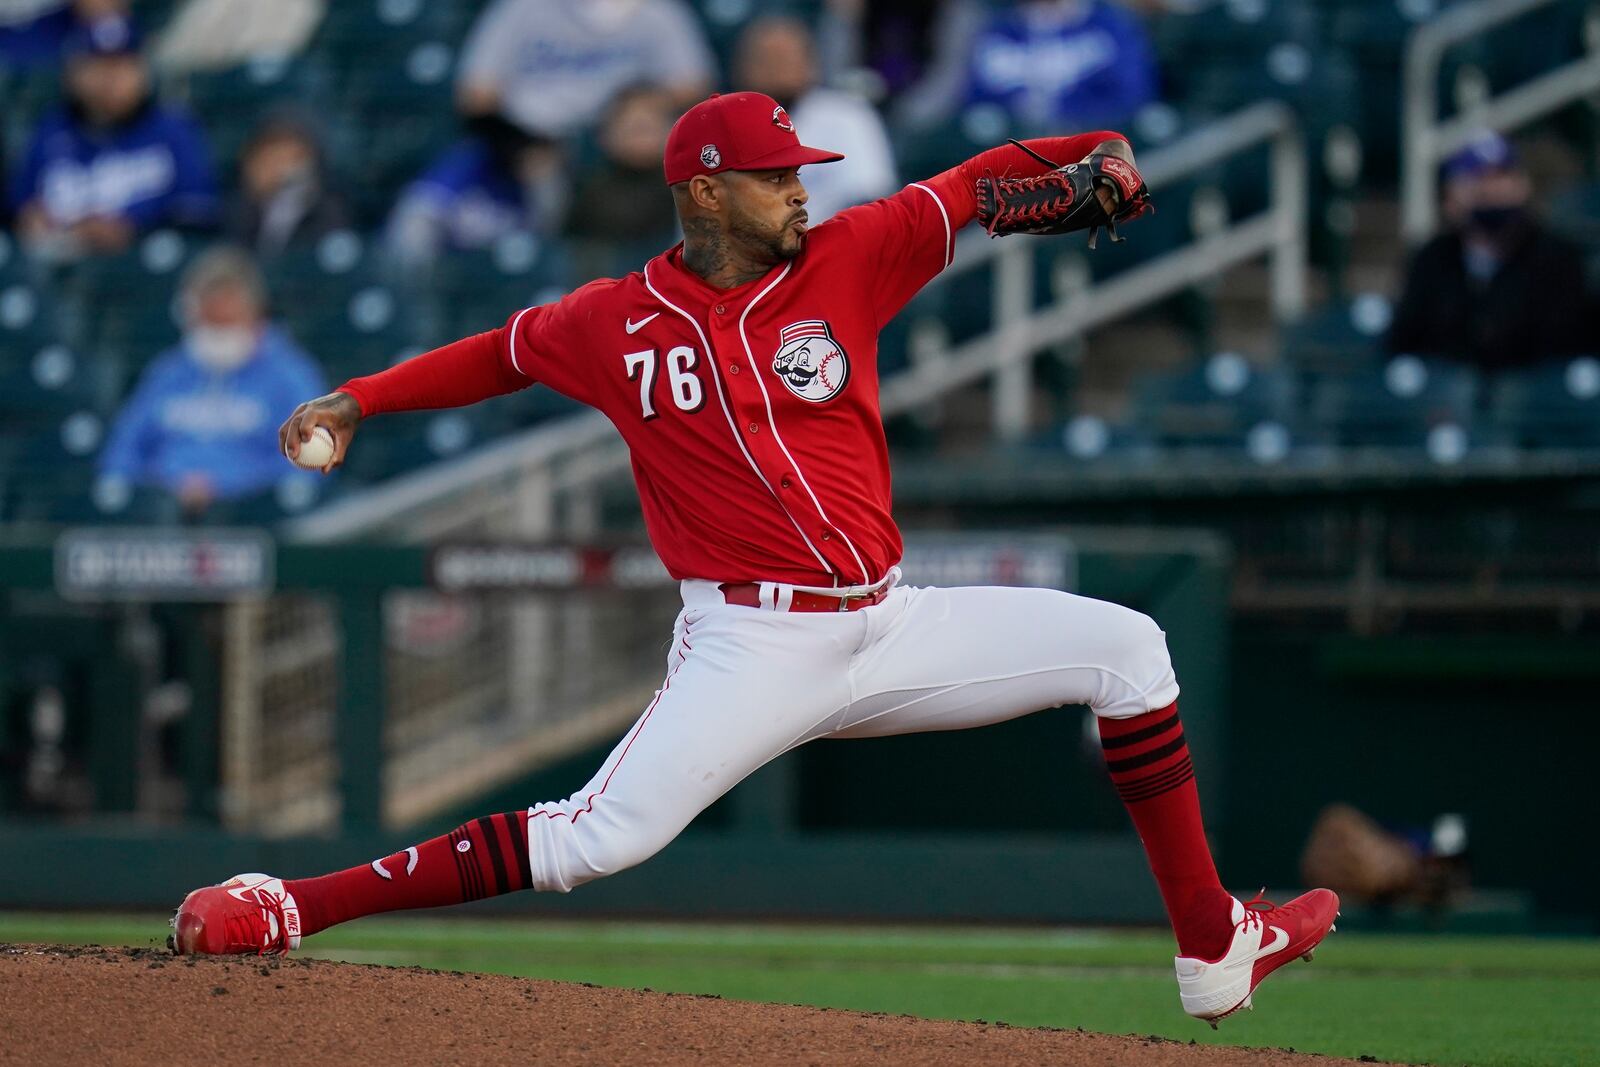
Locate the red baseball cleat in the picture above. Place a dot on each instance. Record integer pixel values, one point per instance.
(247, 913)
(1265, 937)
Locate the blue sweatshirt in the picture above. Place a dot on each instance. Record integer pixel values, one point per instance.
(472, 194)
(1060, 72)
(36, 41)
(153, 170)
(185, 419)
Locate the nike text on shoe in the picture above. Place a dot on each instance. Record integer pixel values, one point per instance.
(247, 913)
(1265, 937)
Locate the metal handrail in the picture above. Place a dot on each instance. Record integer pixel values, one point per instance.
(573, 454)
(1426, 140)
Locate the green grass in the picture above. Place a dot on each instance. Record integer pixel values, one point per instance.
(1439, 1000)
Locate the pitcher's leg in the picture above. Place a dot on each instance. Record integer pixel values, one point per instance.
(950, 659)
(993, 654)
(742, 687)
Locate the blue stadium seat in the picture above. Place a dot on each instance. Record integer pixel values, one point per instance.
(1218, 403)
(1556, 405)
(1408, 403)
(1339, 339)
(52, 470)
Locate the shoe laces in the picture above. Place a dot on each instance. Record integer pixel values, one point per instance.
(1254, 909)
(242, 928)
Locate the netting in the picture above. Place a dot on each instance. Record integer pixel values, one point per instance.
(480, 690)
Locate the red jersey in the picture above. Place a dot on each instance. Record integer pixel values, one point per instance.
(751, 414)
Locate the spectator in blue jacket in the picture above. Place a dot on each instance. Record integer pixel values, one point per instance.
(499, 180)
(201, 428)
(1062, 64)
(113, 161)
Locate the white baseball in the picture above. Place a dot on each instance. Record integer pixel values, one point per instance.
(315, 453)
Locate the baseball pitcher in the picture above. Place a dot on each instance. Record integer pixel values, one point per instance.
(741, 369)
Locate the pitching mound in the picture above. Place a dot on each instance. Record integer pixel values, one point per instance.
(143, 1006)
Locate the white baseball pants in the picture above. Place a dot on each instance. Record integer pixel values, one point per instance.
(745, 685)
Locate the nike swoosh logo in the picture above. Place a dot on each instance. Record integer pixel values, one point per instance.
(634, 327)
(1280, 937)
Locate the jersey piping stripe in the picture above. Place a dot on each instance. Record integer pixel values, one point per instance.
(773, 422)
(588, 804)
(512, 342)
(949, 238)
(716, 379)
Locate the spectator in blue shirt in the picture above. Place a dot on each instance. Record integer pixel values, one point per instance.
(1062, 64)
(201, 428)
(113, 161)
(498, 180)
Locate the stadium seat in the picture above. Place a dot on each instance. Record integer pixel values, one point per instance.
(52, 470)
(231, 103)
(1220, 402)
(1408, 403)
(1339, 339)
(1556, 405)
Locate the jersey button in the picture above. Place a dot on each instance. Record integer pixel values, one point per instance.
(754, 428)
(721, 309)
(826, 536)
(733, 368)
(785, 483)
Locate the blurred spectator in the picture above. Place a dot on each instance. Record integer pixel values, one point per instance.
(913, 50)
(32, 32)
(283, 197)
(1495, 288)
(499, 180)
(777, 56)
(550, 65)
(201, 428)
(1056, 65)
(620, 206)
(113, 161)
(214, 34)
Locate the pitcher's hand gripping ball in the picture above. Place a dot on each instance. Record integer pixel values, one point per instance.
(1104, 189)
(316, 452)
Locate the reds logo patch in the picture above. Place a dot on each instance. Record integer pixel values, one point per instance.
(810, 362)
(780, 119)
(711, 157)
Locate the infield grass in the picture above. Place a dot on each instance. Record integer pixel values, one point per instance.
(1495, 1002)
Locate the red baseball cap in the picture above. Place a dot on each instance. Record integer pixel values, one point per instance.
(739, 131)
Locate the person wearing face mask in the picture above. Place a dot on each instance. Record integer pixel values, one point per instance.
(550, 66)
(1496, 288)
(284, 200)
(198, 432)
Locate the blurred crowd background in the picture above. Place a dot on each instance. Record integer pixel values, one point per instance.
(217, 207)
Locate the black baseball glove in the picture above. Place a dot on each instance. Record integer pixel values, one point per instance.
(1066, 198)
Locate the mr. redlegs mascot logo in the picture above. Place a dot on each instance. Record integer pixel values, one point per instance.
(810, 361)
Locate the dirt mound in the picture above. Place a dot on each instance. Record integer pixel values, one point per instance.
(144, 1006)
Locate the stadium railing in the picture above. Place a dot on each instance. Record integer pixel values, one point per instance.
(1428, 139)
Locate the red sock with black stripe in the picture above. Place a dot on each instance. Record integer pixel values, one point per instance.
(482, 858)
(1148, 761)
